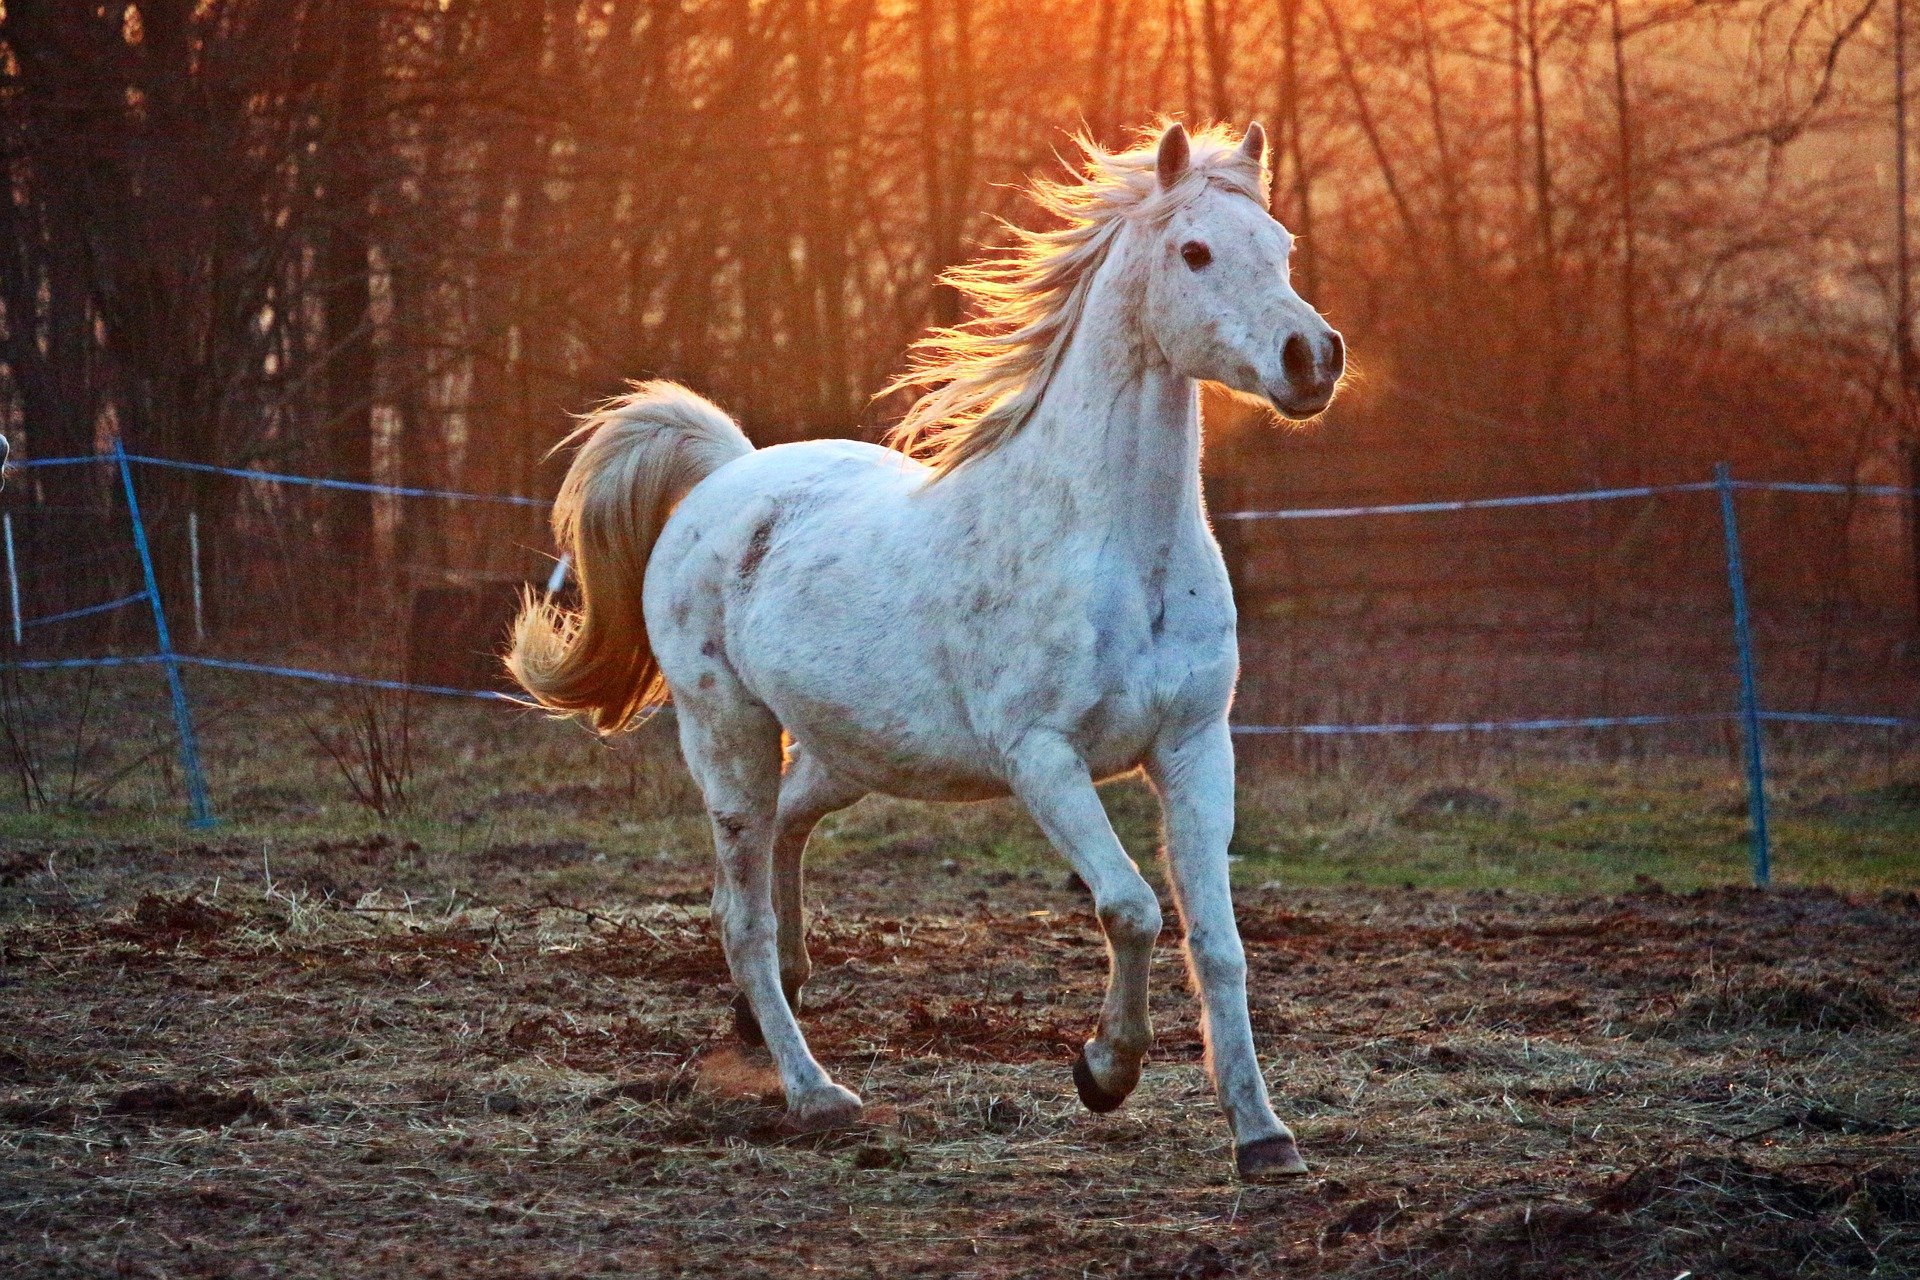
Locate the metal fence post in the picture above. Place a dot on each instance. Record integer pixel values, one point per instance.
(193, 561)
(1749, 695)
(13, 580)
(199, 810)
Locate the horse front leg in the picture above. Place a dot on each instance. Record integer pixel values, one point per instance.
(1053, 783)
(1195, 780)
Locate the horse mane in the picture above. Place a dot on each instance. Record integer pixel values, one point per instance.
(988, 372)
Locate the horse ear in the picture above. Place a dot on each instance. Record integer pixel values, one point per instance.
(1174, 155)
(1254, 145)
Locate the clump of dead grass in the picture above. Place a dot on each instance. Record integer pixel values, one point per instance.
(161, 920)
(1771, 999)
(1665, 1218)
(190, 1106)
(989, 1031)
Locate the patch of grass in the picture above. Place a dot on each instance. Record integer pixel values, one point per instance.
(1561, 827)
(493, 784)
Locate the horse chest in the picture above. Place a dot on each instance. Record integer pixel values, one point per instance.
(1162, 655)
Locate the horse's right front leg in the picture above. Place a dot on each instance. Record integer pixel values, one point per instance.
(1195, 780)
(1052, 781)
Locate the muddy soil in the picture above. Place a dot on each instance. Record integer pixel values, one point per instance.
(334, 1061)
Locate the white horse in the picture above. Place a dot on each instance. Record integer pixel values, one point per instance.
(1036, 606)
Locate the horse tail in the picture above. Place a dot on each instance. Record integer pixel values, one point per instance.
(638, 456)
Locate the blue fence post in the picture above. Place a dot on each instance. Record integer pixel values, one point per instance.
(199, 810)
(1749, 693)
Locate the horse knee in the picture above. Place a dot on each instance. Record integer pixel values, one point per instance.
(741, 927)
(1217, 960)
(736, 832)
(1131, 919)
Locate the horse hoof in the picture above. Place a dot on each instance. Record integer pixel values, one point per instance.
(1096, 1099)
(746, 1027)
(1276, 1156)
(834, 1107)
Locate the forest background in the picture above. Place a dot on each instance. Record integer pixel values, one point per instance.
(1571, 243)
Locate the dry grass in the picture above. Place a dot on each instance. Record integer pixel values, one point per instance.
(321, 1060)
(1770, 1000)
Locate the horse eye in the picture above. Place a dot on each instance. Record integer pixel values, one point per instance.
(1196, 254)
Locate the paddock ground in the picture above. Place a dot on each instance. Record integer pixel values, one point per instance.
(364, 1055)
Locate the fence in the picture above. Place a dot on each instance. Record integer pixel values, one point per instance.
(1748, 712)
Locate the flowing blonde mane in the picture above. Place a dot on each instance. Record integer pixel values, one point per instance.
(988, 372)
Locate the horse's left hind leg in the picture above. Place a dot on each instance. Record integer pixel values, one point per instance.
(808, 793)
(733, 750)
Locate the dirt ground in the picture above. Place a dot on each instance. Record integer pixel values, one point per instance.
(354, 1058)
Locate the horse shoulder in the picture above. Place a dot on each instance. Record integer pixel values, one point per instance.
(1198, 653)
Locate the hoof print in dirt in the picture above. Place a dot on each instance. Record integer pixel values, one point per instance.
(652, 1089)
(1095, 1098)
(189, 1107)
(1205, 1262)
(1275, 1157)
(876, 1155)
(160, 921)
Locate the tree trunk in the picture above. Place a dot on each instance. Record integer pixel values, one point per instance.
(1100, 104)
(1214, 30)
(1451, 211)
(1904, 361)
(1629, 230)
(1542, 167)
(942, 238)
(1369, 126)
(1306, 249)
(346, 286)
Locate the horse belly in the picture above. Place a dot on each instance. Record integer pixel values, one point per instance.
(884, 754)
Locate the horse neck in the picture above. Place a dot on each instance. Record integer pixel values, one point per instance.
(1113, 447)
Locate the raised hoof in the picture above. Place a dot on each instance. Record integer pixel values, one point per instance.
(1096, 1099)
(833, 1107)
(746, 1027)
(1269, 1158)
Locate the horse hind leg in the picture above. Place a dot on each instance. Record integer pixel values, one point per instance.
(808, 793)
(733, 749)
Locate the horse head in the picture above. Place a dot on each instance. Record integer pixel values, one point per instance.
(1219, 302)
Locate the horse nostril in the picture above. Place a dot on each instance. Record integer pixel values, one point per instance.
(1297, 358)
(1336, 357)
